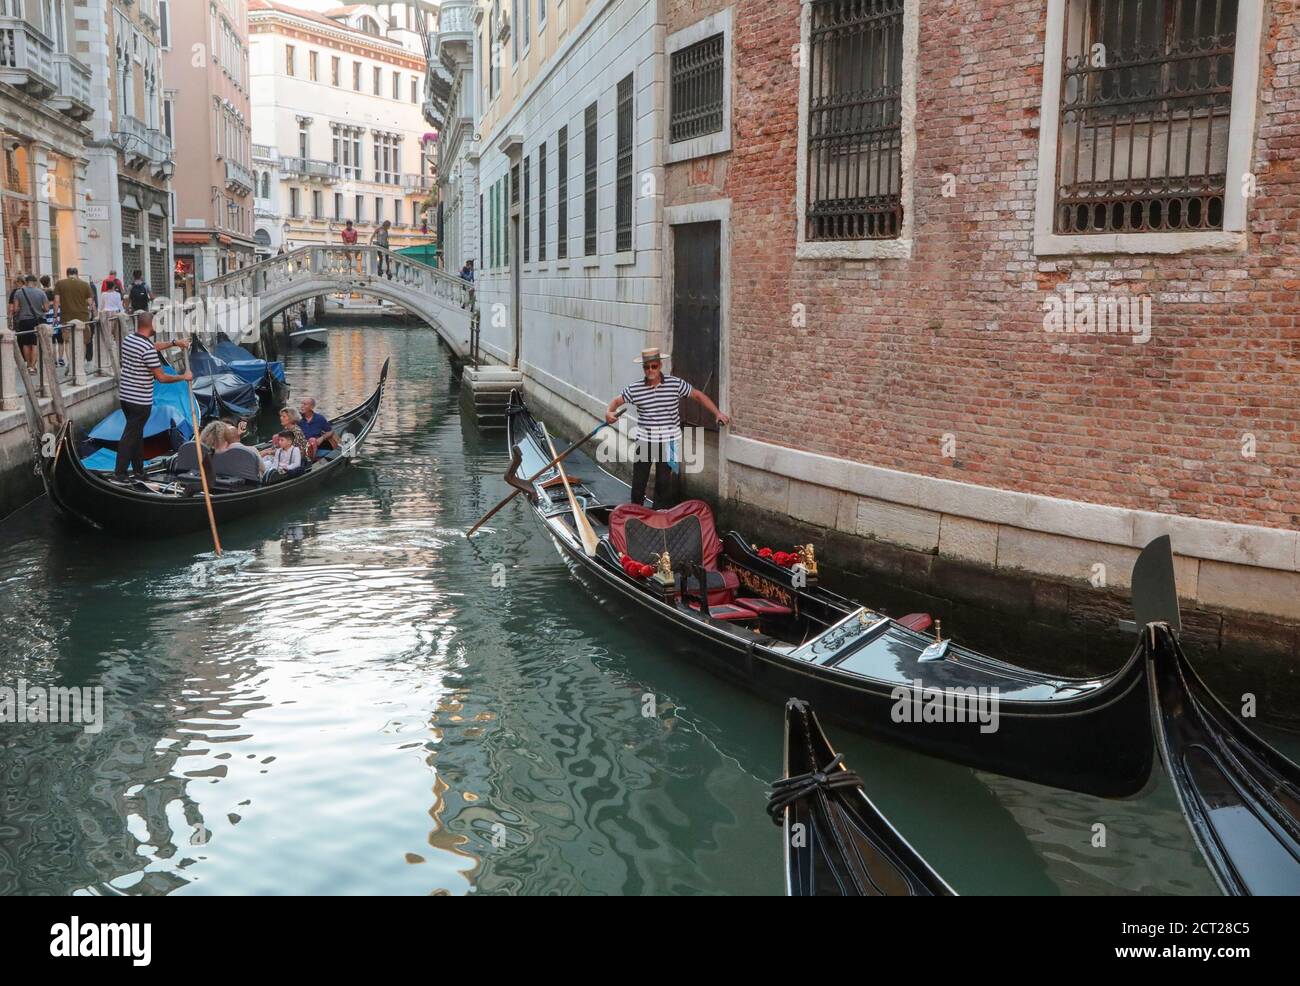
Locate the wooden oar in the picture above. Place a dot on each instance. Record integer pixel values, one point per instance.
(589, 539)
(555, 461)
(198, 448)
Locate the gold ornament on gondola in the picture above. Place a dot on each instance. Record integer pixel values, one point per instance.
(807, 557)
(664, 568)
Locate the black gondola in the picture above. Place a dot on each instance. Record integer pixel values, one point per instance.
(169, 502)
(754, 624)
(837, 843)
(1239, 795)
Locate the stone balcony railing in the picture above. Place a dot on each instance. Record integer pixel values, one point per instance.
(417, 183)
(27, 57)
(142, 142)
(265, 152)
(73, 94)
(306, 167)
(238, 178)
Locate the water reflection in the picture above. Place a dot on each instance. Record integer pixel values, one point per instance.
(357, 700)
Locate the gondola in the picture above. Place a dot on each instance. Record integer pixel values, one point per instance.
(170, 500)
(310, 337)
(837, 843)
(1239, 795)
(758, 624)
(267, 376)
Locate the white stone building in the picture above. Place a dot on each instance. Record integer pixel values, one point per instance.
(337, 123)
(451, 107)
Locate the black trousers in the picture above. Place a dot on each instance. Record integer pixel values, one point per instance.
(130, 447)
(653, 454)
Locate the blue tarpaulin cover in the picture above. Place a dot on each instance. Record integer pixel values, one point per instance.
(248, 366)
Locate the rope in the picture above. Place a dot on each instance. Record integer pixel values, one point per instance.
(790, 790)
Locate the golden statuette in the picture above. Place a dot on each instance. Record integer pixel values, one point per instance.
(664, 568)
(807, 557)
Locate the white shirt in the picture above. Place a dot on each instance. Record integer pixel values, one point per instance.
(110, 301)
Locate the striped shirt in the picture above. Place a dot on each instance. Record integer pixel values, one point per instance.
(139, 357)
(658, 409)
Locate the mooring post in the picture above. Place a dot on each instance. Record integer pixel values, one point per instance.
(9, 399)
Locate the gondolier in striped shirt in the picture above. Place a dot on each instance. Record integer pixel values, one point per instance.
(141, 366)
(657, 399)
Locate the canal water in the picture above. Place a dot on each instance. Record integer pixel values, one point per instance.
(357, 700)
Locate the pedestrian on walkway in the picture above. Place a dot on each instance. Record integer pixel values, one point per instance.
(380, 239)
(139, 296)
(52, 319)
(657, 398)
(350, 239)
(27, 308)
(467, 275)
(76, 301)
(141, 366)
(111, 283)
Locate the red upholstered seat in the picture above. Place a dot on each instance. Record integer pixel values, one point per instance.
(763, 607)
(685, 531)
(916, 621)
(727, 611)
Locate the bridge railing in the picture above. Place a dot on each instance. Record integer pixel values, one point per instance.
(349, 267)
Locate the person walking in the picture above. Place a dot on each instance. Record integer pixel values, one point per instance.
(52, 319)
(467, 275)
(76, 301)
(657, 398)
(380, 238)
(111, 283)
(349, 235)
(139, 296)
(141, 366)
(27, 308)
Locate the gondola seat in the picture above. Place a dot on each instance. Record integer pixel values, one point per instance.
(763, 607)
(728, 611)
(685, 531)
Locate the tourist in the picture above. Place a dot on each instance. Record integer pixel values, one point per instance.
(289, 422)
(52, 319)
(284, 456)
(235, 441)
(110, 298)
(111, 283)
(139, 296)
(141, 366)
(657, 399)
(316, 428)
(76, 300)
(467, 272)
(27, 308)
(380, 239)
(350, 239)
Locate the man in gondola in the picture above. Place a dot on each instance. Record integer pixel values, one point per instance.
(657, 399)
(141, 366)
(316, 427)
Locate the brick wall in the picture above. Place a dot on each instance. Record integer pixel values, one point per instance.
(896, 354)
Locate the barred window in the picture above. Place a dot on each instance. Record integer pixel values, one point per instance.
(562, 194)
(589, 192)
(696, 90)
(541, 200)
(527, 192)
(1146, 96)
(855, 113)
(623, 178)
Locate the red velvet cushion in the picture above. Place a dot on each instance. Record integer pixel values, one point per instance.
(728, 611)
(663, 520)
(764, 607)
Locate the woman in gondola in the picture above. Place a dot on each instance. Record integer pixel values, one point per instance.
(657, 399)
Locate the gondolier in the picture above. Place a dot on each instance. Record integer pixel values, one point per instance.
(141, 366)
(657, 399)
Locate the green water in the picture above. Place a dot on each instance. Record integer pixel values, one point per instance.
(358, 700)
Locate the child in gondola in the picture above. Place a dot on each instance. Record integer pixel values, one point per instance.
(284, 456)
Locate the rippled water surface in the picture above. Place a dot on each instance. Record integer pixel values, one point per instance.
(355, 699)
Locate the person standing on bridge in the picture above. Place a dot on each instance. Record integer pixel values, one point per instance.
(141, 366)
(380, 239)
(350, 239)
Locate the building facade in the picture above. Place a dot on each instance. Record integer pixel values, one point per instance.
(208, 101)
(45, 106)
(130, 156)
(450, 108)
(338, 126)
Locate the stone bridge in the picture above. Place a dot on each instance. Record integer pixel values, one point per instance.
(245, 296)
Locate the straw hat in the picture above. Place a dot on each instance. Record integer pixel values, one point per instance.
(650, 356)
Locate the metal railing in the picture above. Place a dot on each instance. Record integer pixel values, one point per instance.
(308, 167)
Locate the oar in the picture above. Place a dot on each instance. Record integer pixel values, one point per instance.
(589, 539)
(198, 448)
(581, 441)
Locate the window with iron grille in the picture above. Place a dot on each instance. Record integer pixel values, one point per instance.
(623, 173)
(696, 90)
(1146, 98)
(527, 193)
(855, 113)
(513, 184)
(562, 194)
(541, 201)
(589, 191)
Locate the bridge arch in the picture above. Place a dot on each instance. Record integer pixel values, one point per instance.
(441, 300)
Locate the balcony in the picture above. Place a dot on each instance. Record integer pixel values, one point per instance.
(73, 96)
(412, 184)
(238, 178)
(310, 169)
(27, 58)
(264, 152)
(142, 144)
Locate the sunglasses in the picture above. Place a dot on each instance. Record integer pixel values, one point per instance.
(653, 366)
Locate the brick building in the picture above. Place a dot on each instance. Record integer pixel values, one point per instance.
(947, 231)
